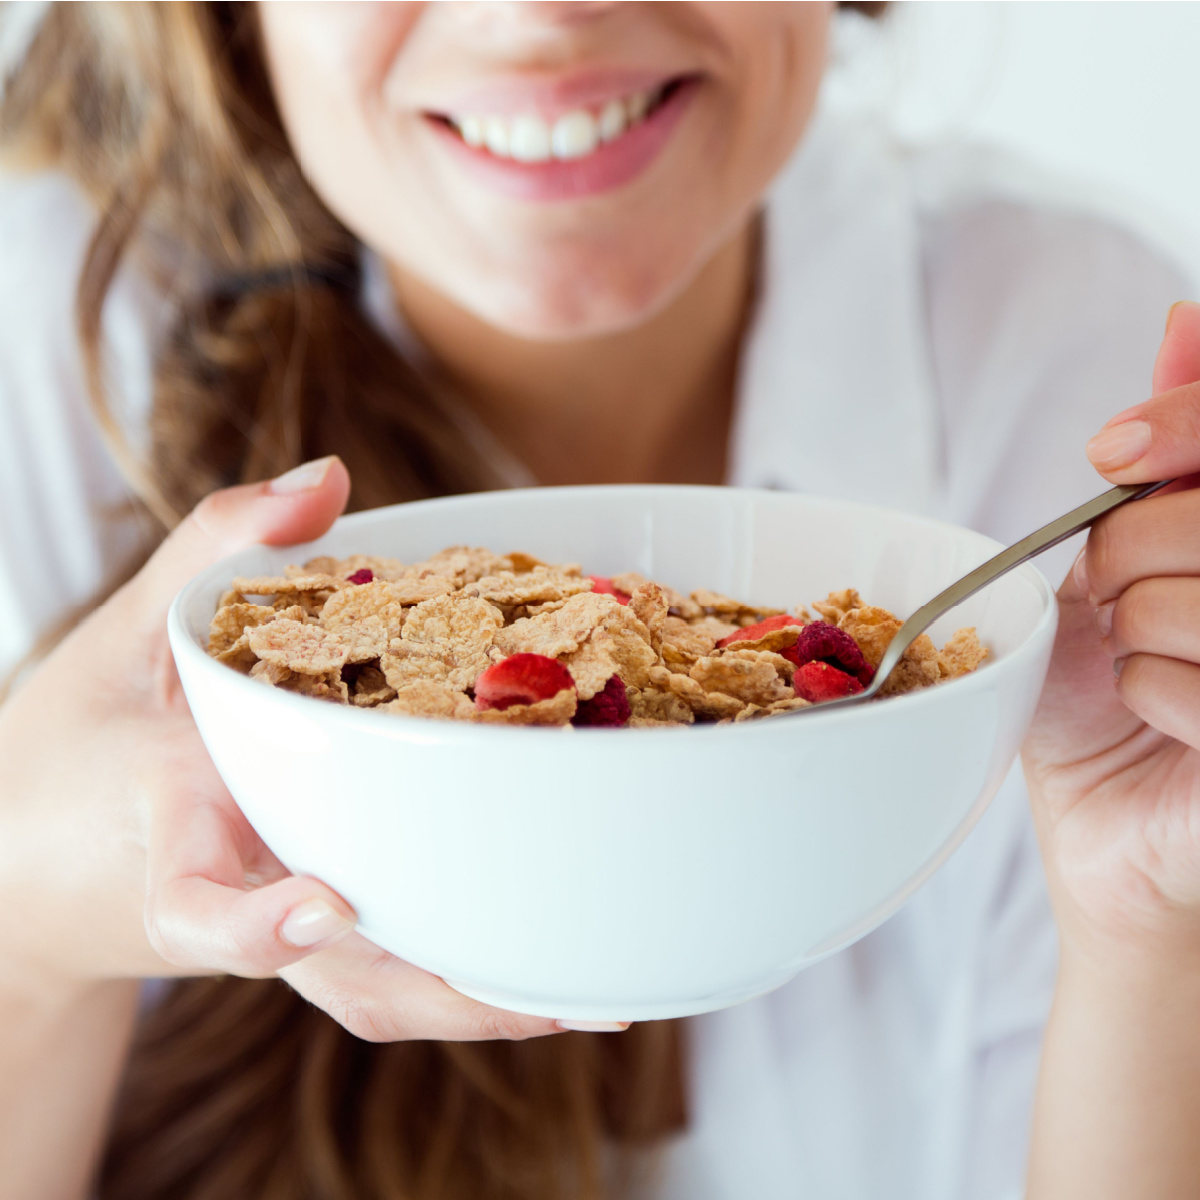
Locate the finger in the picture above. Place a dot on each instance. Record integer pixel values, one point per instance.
(381, 998)
(1158, 439)
(1164, 692)
(1156, 536)
(296, 507)
(1153, 616)
(1178, 359)
(202, 912)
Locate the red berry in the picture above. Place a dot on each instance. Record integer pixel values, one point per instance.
(607, 707)
(604, 585)
(757, 631)
(362, 575)
(817, 681)
(826, 643)
(521, 679)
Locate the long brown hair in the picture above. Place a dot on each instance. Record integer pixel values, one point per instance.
(238, 1088)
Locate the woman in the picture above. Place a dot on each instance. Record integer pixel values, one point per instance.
(466, 245)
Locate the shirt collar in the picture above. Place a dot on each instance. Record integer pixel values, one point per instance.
(836, 391)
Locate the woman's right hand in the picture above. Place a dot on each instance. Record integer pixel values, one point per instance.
(123, 855)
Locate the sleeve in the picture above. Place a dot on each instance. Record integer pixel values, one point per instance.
(64, 507)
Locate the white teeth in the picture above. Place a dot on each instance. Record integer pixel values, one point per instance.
(612, 121)
(471, 129)
(495, 134)
(575, 135)
(529, 138)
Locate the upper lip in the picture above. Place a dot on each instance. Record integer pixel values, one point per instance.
(551, 96)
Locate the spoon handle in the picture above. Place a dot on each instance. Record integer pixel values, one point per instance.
(1029, 547)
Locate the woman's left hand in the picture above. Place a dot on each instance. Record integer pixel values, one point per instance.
(1113, 759)
(1113, 764)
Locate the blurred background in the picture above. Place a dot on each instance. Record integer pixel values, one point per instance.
(1103, 93)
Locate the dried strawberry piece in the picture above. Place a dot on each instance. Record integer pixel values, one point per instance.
(362, 575)
(607, 707)
(521, 679)
(604, 585)
(817, 681)
(763, 627)
(826, 643)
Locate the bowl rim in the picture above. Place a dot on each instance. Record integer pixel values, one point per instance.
(406, 728)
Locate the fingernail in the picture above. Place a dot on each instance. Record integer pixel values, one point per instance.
(595, 1026)
(1120, 445)
(1079, 570)
(1118, 666)
(1171, 313)
(303, 478)
(312, 922)
(1104, 618)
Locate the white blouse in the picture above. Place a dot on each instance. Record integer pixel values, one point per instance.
(935, 332)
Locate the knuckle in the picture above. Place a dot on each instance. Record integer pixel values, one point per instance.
(1103, 551)
(1133, 616)
(206, 512)
(200, 530)
(361, 1018)
(491, 1024)
(216, 515)
(243, 953)
(1182, 419)
(357, 1014)
(1131, 683)
(160, 934)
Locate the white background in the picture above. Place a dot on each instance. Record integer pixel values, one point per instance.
(1106, 93)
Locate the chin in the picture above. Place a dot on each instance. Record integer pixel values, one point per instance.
(578, 304)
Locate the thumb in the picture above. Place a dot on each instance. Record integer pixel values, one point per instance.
(295, 507)
(1178, 359)
(1159, 438)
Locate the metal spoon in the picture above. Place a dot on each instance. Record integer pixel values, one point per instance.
(1042, 539)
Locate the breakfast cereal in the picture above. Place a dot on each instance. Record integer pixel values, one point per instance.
(471, 635)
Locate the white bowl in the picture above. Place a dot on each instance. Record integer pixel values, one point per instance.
(633, 874)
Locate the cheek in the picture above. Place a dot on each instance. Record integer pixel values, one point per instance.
(778, 54)
(327, 64)
(344, 49)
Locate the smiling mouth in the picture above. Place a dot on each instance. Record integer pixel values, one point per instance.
(531, 138)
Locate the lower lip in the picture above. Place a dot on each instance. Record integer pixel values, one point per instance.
(609, 166)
